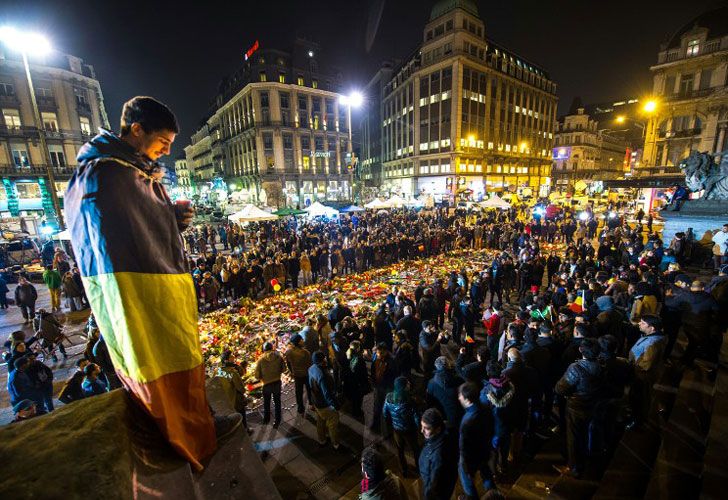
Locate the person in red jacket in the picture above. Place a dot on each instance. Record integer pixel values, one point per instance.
(492, 323)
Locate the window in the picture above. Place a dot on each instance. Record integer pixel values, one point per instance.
(263, 77)
(7, 89)
(299, 80)
(705, 77)
(281, 78)
(448, 25)
(314, 84)
(693, 48)
(28, 190)
(686, 84)
(58, 159)
(81, 97)
(268, 141)
(50, 121)
(264, 99)
(20, 156)
(302, 103)
(85, 125)
(284, 100)
(287, 141)
(305, 142)
(11, 118)
(319, 143)
(43, 92)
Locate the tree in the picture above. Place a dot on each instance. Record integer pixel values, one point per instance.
(274, 194)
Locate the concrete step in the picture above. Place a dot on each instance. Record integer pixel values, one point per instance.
(679, 461)
(715, 471)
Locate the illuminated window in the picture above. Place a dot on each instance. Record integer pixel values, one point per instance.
(314, 84)
(490, 145)
(508, 147)
(300, 80)
(85, 125)
(263, 77)
(478, 168)
(445, 143)
(424, 146)
(281, 78)
(693, 47)
(445, 168)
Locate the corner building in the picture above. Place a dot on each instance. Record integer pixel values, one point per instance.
(277, 130)
(465, 115)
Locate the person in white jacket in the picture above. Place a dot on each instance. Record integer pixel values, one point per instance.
(720, 247)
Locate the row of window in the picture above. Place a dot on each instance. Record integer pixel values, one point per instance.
(688, 82)
(21, 159)
(11, 119)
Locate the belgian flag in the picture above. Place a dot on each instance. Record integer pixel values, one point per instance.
(129, 251)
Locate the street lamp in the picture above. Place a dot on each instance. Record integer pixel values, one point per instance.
(354, 99)
(36, 44)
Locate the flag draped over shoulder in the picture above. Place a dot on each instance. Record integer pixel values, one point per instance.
(129, 251)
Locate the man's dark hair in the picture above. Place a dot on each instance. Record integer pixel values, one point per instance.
(493, 369)
(148, 112)
(80, 361)
(608, 344)
(589, 348)
(483, 353)
(21, 362)
(530, 335)
(433, 418)
(372, 464)
(581, 329)
(470, 392)
(653, 321)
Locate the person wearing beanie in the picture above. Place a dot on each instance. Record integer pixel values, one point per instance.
(582, 385)
(400, 412)
(442, 393)
(298, 360)
(323, 391)
(268, 370)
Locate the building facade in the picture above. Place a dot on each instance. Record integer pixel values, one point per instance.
(184, 180)
(690, 85)
(277, 132)
(370, 128)
(583, 151)
(464, 115)
(72, 109)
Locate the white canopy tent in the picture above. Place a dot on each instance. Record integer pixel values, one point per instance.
(376, 204)
(395, 202)
(317, 209)
(495, 201)
(251, 213)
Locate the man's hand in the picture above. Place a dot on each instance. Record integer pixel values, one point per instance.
(184, 213)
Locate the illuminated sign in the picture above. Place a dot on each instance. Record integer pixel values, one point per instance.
(251, 50)
(562, 153)
(321, 154)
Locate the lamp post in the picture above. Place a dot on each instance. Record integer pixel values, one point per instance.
(354, 99)
(33, 43)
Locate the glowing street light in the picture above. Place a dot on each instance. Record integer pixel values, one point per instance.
(620, 119)
(354, 99)
(650, 106)
(35, 44)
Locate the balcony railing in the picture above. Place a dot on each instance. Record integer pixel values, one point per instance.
(690, 94)
(14, 170)
(9, 100)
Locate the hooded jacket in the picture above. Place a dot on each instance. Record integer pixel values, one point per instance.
(497, 395)
(402, 413)
(442, 392)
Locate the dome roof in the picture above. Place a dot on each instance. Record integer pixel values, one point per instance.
(716, 21)
(442, 7)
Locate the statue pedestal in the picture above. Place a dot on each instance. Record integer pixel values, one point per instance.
(700, 215)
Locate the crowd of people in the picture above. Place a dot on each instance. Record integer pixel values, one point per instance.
(564, 332)
(564, 338)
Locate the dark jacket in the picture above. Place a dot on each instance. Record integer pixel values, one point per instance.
(427, 307)
(497, 396)
(389, 488)
(401, 413)
(438, 468)
(526, 384)
(476, 433)
(698, 310)
(25, 295)
(537, 357)
(442, 392)
(338, 313)
(383, 372)
(583, 383)
(429, 350)
(20, 387)
(322, 387)
(618, 373)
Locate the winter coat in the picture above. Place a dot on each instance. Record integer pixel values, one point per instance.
(442, 392)
(310, 339)
(270, 367)
(383, 372)
(52, 279)
(322, 387)
(298, 360)
(25, 295)
(401, 413)
(526, 384)
(583, 384)
(438, 469)
(497, 396)
(698, 310)
(21, 387)
(646, 354)
(72, 390)
(427, 308)
(476, 434)
(429, 348)
(70, 287)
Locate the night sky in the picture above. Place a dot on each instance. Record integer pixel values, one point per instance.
(178, 53)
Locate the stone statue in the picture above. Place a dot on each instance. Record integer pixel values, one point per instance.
(702, 174)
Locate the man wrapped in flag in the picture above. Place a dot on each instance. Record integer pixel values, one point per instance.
(125, 232)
